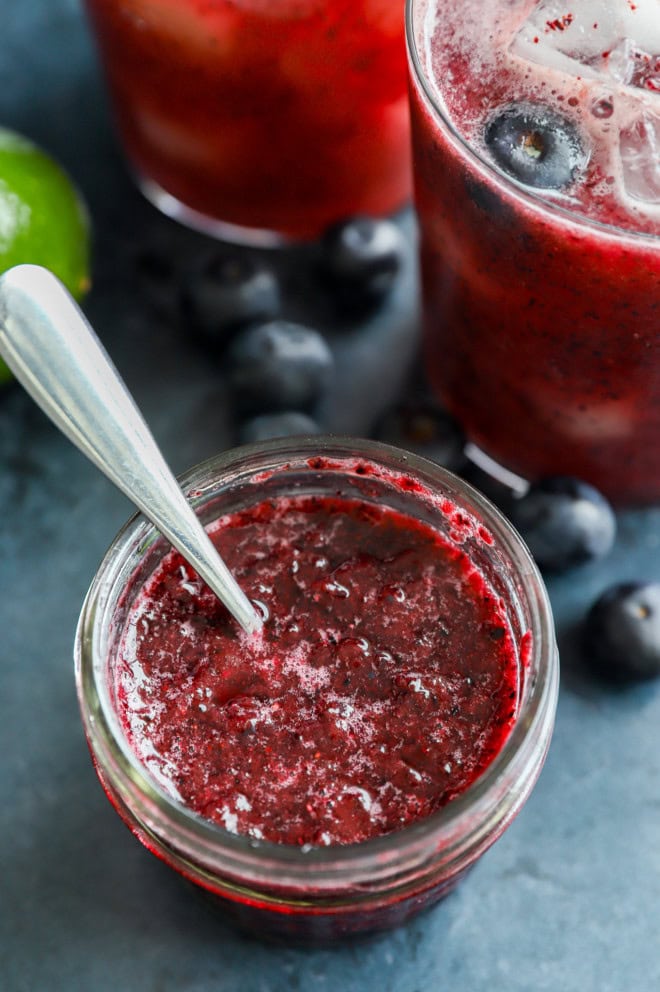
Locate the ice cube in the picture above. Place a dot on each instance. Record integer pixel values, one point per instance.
(631, 65)
(614, 41)
(640, 159)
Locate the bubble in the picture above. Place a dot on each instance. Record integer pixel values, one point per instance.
(602, 108)
(263, 610)
(337, 589)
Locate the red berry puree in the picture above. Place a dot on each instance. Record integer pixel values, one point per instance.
(384, 682)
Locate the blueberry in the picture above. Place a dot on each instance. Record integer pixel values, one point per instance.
(269, 425)
(361, 258)
(420, 425)
(227, 293)
(536, 146)
(564, 522)
(157, 281)
(279, 366)
(621, 634)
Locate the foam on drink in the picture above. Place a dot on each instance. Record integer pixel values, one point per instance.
(597, 65)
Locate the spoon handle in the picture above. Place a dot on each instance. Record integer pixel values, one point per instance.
(53, 351)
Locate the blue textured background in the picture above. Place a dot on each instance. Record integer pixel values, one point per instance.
(568, 900)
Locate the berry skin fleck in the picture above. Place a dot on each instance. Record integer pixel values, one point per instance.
(560, 23)
(279, 366)
(621, 634)
(564, 521)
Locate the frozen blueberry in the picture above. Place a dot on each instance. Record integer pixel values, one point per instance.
(535, 145)
(285, 424)
(229, 292)
(564, 522)
(621, 634)
(420, 425)
(361, 258)
(279, 366)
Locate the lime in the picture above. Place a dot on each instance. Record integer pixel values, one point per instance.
(43, 219)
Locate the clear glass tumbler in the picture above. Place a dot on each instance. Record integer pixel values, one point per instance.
(260, 120)
(537, 183)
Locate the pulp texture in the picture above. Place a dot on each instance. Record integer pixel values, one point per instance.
(384, 682)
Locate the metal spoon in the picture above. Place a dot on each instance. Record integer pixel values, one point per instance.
(53, 351)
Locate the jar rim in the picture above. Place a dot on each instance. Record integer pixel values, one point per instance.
(448, 829)
(519, 189)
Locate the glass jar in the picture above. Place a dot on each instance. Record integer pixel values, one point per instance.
(540, 267)
(260, 120)
(329, 892)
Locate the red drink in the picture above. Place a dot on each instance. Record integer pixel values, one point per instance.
(276, 116)
(536, 135)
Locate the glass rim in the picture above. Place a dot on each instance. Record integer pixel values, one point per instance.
(536, 200)
(378, 857)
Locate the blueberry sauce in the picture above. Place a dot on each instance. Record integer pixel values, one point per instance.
(385, 680)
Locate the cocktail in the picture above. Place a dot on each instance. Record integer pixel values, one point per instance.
(536, 145)
(259, 119)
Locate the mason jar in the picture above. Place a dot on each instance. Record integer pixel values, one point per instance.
(323, 893)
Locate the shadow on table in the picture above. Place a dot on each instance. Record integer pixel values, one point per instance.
(88, 900)
(580, 676)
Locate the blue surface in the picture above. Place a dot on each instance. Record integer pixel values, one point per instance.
(569, 898)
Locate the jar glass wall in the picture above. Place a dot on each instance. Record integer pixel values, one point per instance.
(325, 892)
